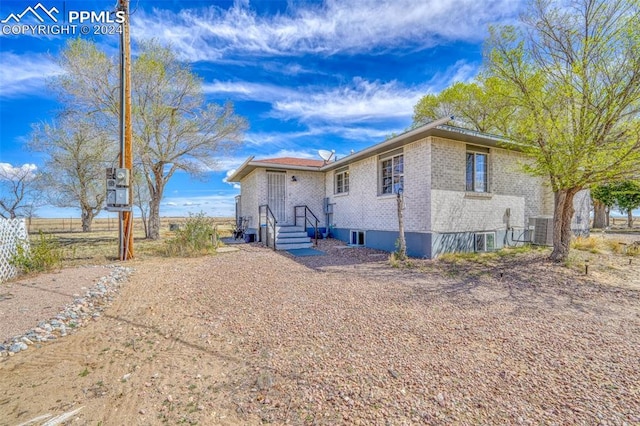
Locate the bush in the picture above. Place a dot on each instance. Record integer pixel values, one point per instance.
(197, 236)
(590, 244)
(45, 254)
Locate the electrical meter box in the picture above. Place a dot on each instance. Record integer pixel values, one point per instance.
(118, 181)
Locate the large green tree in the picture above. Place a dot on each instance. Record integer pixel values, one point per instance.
(473, 105)
(174, 127)
(572, 72)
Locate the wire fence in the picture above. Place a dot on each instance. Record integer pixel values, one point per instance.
(71, 224)
(13, 232)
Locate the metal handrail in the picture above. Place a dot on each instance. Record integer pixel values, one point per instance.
(307, 220)
(268, 214)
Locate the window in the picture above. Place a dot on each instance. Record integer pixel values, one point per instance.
(342, 181)
(485, 241)
(477, 166)
(356, 238)
(392, 174)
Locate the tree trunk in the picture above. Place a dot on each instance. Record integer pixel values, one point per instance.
(599, 215)
(145, 225)
(87, 220)
(562, 214)
(402, 244)
(154, 219)
(629, 218)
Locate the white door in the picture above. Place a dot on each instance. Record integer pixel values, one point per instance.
(276, 194)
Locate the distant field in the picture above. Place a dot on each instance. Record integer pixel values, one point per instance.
(59, 225)
(100, 246)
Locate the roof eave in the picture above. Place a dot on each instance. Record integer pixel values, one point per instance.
(248, 166)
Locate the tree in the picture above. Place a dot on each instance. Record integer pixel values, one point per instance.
(474, 106)
(573, 75)
(141, 198)
(603, 200)
(17, 190)
(73, 174)
(627, 195)
(174, 128)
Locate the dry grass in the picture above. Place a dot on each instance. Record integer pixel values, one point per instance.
(100, 247)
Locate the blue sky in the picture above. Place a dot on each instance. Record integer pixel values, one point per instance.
(307, 75)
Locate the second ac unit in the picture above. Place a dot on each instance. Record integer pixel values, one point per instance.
(542, 230)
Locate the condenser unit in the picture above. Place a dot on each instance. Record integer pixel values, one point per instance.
(542, 233)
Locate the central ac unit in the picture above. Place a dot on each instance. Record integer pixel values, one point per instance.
(542, 230)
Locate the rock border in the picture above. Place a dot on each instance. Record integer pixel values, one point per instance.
(73, 316)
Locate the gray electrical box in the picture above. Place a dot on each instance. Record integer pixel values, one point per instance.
(118, 181)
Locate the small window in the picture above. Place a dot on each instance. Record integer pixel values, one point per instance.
(485, 241)
(356, 238)
(342, 181)
(477, 166)
(392, 173)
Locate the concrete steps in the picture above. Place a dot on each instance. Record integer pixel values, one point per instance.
(292, 237)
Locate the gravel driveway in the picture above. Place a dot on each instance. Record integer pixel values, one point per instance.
(257, 336)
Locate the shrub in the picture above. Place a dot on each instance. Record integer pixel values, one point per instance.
(197, 236)
(45, 254)
(590, 244)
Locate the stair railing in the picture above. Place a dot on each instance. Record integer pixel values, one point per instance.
(309, 218)
(268, 219)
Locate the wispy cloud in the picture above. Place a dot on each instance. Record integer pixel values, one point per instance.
(25, 74)
(362, 100)
(331, 27)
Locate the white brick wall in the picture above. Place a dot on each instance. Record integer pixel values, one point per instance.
(362, 208)
(307, 190)
(507, 182)
(455, 211)
(249, 192)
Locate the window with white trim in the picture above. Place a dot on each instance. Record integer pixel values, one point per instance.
(477, 169)
(342, 181)
(391, 173)
(485, 241)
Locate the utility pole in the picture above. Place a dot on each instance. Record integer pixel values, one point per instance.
(126, 132)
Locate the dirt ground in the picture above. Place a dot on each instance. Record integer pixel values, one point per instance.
(257, 336)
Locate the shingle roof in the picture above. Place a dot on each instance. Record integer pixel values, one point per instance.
(291, 161)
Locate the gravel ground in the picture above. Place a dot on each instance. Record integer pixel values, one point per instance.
(256, 336)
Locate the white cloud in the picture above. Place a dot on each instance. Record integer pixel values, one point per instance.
(9, 172)
(362, 100)
(332, 27)
(25, 74)
(235, 185)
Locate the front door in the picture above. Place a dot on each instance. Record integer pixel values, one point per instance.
(276, 194)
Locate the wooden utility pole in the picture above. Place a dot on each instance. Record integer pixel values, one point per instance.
(126, 154)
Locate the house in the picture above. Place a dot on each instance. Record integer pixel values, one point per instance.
(462, 191)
